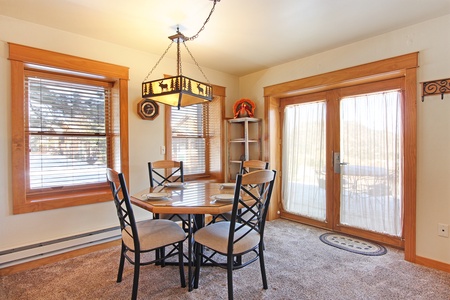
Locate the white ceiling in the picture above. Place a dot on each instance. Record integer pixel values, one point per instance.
(242, 36)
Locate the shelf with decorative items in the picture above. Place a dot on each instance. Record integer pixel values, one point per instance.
(243, 137)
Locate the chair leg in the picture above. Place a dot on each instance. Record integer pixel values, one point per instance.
(162, 253)
(262, 265)
(158, 253)
(181, 264)
(239, 260)
(121, 263)
(137, 264)
(198, 259)
(230, 261)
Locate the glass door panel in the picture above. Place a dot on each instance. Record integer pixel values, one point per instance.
(304, 153)
(371, 163)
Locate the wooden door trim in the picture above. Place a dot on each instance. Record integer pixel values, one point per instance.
(375, 71)
(403, 67)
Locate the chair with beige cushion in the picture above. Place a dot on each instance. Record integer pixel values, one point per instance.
(143, 237)
(240, 240)
(163, 172)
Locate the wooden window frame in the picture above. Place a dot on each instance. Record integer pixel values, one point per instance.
(21, 58)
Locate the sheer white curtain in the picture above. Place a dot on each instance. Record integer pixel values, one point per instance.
(304, 160)
(371, 154)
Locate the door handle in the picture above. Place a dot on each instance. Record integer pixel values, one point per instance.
(337, 162)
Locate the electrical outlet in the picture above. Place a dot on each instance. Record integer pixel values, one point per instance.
(443, 230)
(162, 150)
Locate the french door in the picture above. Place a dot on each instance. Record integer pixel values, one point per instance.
(342, 160)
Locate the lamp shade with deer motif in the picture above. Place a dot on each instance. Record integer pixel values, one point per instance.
(177, 91)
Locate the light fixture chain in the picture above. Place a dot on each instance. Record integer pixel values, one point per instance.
(196, 63)
(179, 69)
(159, 60)
(204, 24)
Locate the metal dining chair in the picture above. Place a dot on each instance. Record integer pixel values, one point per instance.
(238, 236)
(143, 237)
(163, 172)
(246, 166)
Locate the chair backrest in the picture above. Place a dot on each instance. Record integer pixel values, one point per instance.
(250, 215)
(165, 171)
(123, 205)
(253, 165)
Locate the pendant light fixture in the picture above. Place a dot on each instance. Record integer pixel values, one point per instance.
(179, 90)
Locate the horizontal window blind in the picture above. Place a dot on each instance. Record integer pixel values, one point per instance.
(188, 138)
(196, 134)
(67, 133)
(214, 135)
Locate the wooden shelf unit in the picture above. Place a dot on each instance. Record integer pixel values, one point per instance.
(243, 143)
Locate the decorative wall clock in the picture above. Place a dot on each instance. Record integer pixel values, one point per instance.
(148, 109)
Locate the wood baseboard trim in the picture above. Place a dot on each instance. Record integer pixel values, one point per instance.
(432, 264)
(55, 258)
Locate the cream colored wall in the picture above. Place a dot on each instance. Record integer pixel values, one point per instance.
(145, 136)
(433, 138)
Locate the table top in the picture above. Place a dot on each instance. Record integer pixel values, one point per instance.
(190, 198)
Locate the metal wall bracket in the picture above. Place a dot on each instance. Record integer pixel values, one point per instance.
(435, 87)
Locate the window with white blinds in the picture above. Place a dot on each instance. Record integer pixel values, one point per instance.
(69, 122)
(196, 133)
(67, 133)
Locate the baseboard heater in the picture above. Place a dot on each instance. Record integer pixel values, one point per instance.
(40, 250)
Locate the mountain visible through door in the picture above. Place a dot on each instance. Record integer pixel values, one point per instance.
(371, 162)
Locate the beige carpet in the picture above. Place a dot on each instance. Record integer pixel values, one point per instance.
(299, 266)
